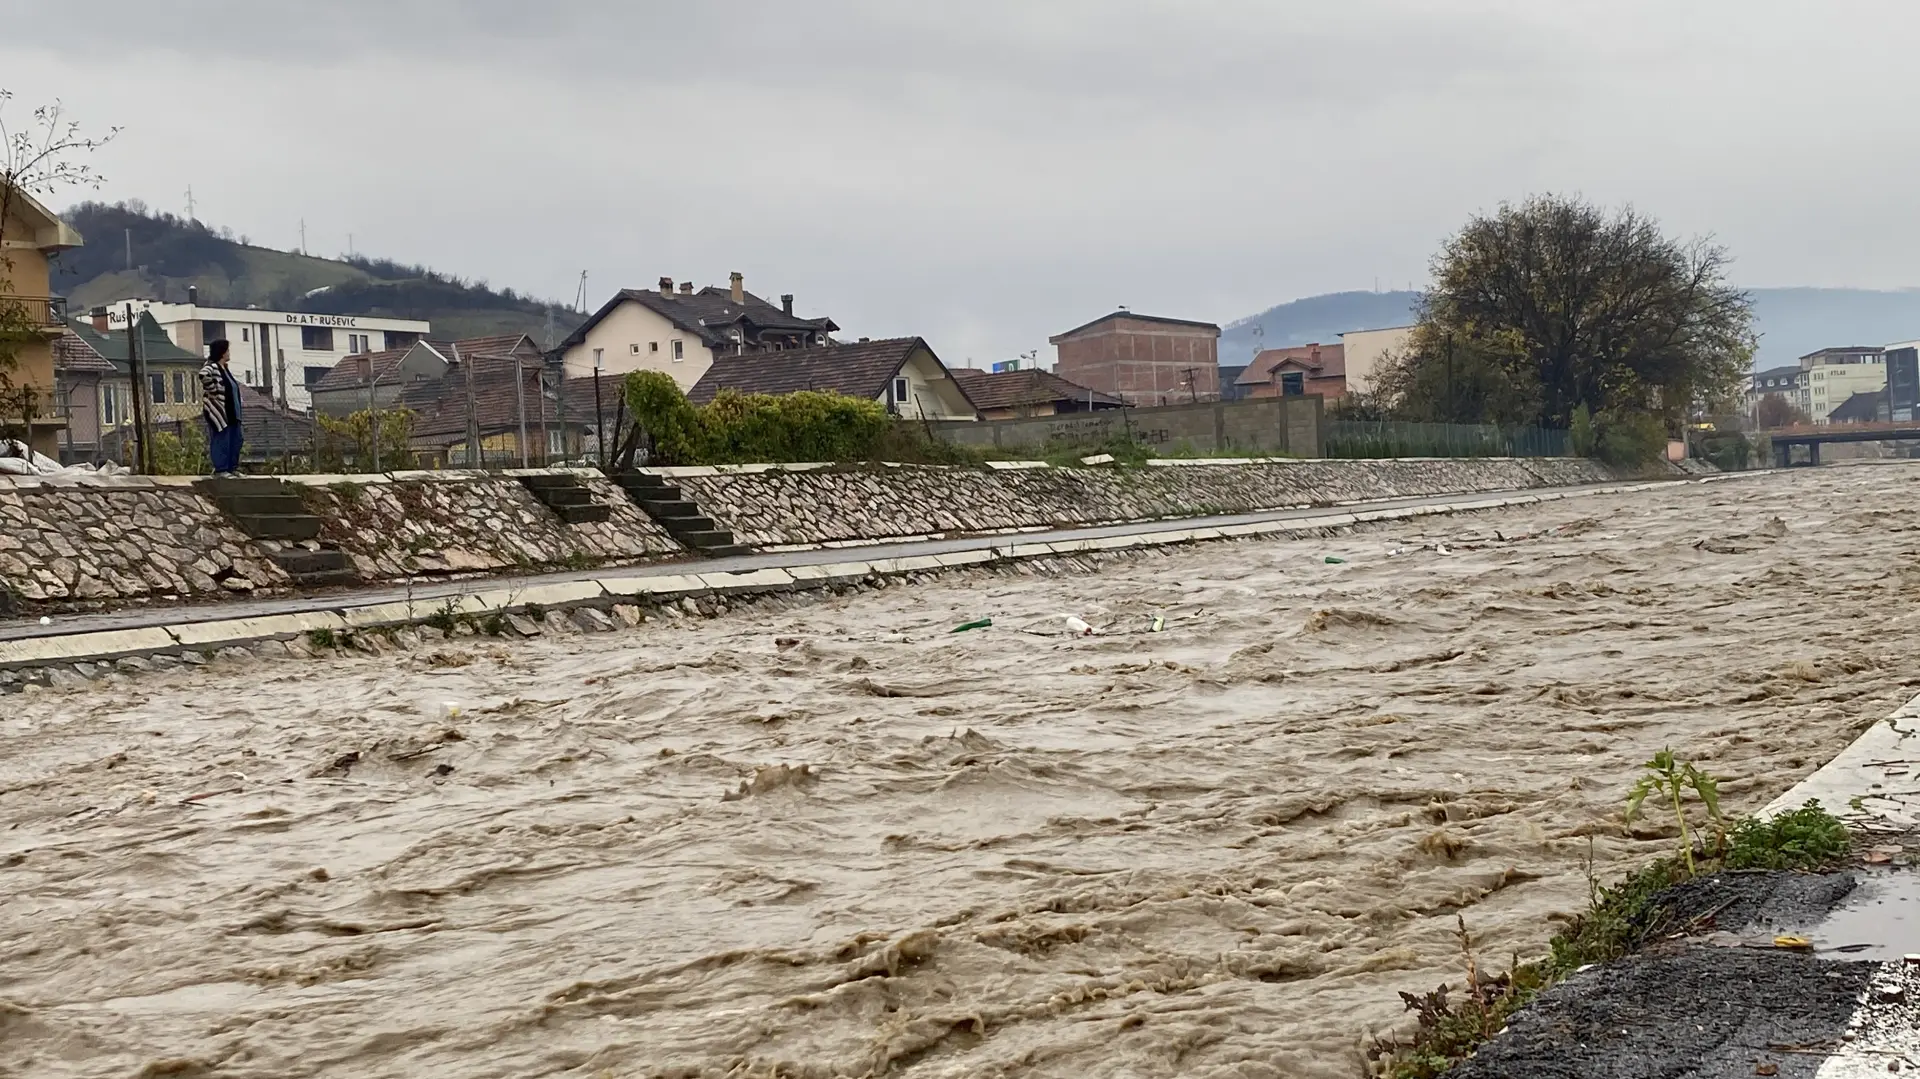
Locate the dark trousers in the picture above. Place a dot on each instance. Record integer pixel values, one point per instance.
(224, 448)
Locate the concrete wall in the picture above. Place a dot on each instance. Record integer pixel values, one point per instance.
(1290, 425)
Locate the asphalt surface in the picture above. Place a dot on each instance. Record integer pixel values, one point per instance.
(1722, 1002)
(176, 613)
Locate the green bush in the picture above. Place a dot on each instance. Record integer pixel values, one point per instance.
(1581, 432)
(182, 454)
(739, 428)
(664, 412)
(1808, 838)
(1631, 439)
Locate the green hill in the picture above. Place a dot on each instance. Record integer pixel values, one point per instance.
(171, 253)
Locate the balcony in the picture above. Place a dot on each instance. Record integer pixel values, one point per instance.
(36, 315)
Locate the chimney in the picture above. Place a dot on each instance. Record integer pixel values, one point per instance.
(686, 288)
(666, 286)
(193, 295)
(98, 316)
(786, 302)
(739, 287)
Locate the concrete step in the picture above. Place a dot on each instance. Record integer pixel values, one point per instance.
(707, 540)
(640, 479)
(267, 505)
(218, 486)
(667, 510)
(565, 479)
(730, 550)
(664, 492)
(683, 525)
(317, 567)
(566, 496)
(592, 511)
(279, 526)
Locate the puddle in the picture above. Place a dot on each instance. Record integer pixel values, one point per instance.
(1880, 920)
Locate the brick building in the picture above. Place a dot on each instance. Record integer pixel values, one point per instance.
(1143, 359)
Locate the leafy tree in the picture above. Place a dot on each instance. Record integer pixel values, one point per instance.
(1540, 308)
(1776, 411)
(36, 160)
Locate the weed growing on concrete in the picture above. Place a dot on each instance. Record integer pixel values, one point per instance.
(348, 491)
(1671, 779)
(536, 611)
(320, 638)
(443, 618)
(495, 625)
(1809, 838)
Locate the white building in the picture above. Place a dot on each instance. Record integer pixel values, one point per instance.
(1835, 374)
(682, 333)
(280, 353)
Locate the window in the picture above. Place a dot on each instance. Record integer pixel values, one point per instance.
(211, 330)
(314, 374)
(157, 383)
(899, 391)
(316, 338)
(652, 346)
(598, 355)
(109, 405)
(179, 386)
(634, 349)
(679, 350)
(1293, 384)
(397, 339)
(244, 333)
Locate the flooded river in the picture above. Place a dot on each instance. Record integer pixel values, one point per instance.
(837, 840)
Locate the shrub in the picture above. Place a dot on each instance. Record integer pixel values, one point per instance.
(1630, 439)
(1807, 838)
(760, 428)
(1581, 432)
(183, 453)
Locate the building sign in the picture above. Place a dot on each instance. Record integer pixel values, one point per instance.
(344, 321)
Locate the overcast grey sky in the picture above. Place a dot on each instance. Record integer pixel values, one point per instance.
(987, 172)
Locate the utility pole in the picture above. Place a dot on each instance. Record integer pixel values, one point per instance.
(136, 371)
(475, 459)
(373, 416)
(520, 405)
(190, 216)
(599, 416)
(1452, 411)
(303, 235)
(129, 233)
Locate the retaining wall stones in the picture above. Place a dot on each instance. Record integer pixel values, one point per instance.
(812, 504)
(132, 539)
(458, 522)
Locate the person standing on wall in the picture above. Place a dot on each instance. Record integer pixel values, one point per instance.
(220, 407)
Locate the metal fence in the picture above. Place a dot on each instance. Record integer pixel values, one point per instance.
(1358, 438)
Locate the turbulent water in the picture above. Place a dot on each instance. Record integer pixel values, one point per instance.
(836, 840)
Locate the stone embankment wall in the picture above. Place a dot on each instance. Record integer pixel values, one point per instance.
(453, 522)
(100, 541)
(816, 504)
(133, 540)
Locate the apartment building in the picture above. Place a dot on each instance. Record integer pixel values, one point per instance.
(280, 353)
(31, 321)
(683, 331)
(1142, 359)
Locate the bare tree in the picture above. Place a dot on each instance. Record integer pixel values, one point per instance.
(36, 161)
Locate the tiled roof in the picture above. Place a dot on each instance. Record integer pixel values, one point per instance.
(73, 355)
(1859, 408)
(1011, 389)
(346, 374)
(707, 314)
(269, 430)
(859, 370)
(1321, 361)
(1137, 317)
(440, 404)
(111, 345)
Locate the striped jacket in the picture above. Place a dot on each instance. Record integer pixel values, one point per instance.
(219, 401)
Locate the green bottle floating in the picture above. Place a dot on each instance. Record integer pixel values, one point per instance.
(978, 623)
(1332, 561)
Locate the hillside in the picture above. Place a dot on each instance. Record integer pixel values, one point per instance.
(171, 253)
(1792, 321)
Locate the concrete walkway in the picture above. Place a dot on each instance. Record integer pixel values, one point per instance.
(430, 593)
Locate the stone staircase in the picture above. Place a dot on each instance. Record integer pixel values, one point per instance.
(271, 510)
(563, 493)
(679, 515)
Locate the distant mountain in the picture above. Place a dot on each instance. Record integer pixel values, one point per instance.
(1792, 321)
(169, 253)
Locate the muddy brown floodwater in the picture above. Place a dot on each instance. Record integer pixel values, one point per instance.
(878, 848)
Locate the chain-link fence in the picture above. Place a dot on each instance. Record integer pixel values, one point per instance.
(1370, 439)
